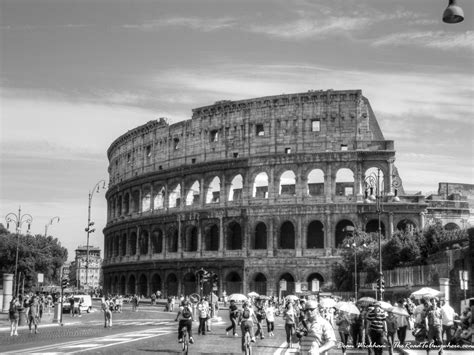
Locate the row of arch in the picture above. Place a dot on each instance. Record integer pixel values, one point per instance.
(232, 282)
(208, 237)
(160, 196)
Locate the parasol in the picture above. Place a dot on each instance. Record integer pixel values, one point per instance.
(348, 307)
(366, 301)
(327, 303)
(263, 297)
(399, 311)
(253, 294)
(425, 291)
(385, 305)
(291, 298)
(237, 297)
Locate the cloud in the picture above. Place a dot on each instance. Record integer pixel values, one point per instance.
(195, 23)
(430, 39)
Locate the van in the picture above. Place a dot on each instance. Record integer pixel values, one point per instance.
(85, 301)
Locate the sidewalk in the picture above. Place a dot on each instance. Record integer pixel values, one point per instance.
(46, 321)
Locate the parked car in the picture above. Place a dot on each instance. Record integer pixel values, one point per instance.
(84, 300)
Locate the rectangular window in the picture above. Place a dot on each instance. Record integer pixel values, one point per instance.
(215, 196)
(214, 136)
(259, 131)
(348, 191)
(148, 151)
(176, 143)
(343, 147)
(129, 157)
(236, 155)
(287, 150)
(315, 126)
(193, 161)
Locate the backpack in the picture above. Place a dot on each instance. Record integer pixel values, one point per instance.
(186, 313)
(12, 310)
(246, 314)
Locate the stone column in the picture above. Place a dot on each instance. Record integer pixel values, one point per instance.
(7, 291)
(299, 237)
(328, 183)
(221, 237)
(390, 224)
(270, 240)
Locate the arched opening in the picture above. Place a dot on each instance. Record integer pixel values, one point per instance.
(131, 285)
(451, 226)
(315, 235)
(236, 186)
(342, 231)
(123, 245)
(189, 283)
(316, 183)
(175, 197)
(234, 236)
(133, 243)
(287, 236)
(344, 182)
(172, 237)
(123, 285)
(143, 286)
(135, 201)
(155, 283)
(115, 285)
(158, 197)
(233, 283)
(315, 282)
(157, 241)
(116, 245)
(146, 200)
(191, 239)
(143, 242)
(289, 282)
(260, 236)
(372, 226)
(118, 211)
(214, 191)
(287, 184)
(259, 284)
(211, 240)
(260, 186)
(126, 204)
(406, 225)
(192, 197)
(171, 285)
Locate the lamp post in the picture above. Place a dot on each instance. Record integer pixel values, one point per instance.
(55, 218)
(18, 219)
(375, 192)
(453, 13)
(89, 229)
(354, 247)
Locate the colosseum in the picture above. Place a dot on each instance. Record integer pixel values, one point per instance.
(258, 191)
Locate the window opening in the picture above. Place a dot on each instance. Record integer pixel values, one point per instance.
(315, 125)
(259, 131)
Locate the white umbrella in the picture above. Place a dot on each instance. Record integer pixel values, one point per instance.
(253, 294)
(237, 297)
(348, 307)
(399, 311)
(291, 298)
(426, 291)
(385, 305)
(327, 302)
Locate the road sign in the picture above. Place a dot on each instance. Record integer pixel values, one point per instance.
(40, 278)
(282, 285)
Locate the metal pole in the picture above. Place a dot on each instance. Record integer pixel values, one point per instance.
(355, 272)
(88, 232)
(379, 211)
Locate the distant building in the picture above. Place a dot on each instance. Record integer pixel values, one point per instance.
(80, 275)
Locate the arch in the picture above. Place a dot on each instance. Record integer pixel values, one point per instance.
(116, 245)
(344, 182)
(451, 226)
(146, 200)
(372, 226)
(159, 197)
(126, 204)
(234, 236)
(123, 245)
(406, 225)
(119, 209)
(287, 236)
(143, 286)
(260, 241)
(115, 285)
(172, 238)
(287, 186)
(373, 175)
(341, 231)
(290, 284)
(155, 283)
(315, 235)
(233, 283)
(135, 201)
(214, 191)
(211, 238)
(189, 283)
(143, 242)
(259, 284)
(171, 285)
(316, 183)
(236, 186)
(133, 243)
(260, 186)
(175, 197)
(191, 239)
(192, 197)
(123, 285)
(157, 241)
(315, 281)
(131, 285)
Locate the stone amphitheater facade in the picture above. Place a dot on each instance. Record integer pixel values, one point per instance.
(257, 191)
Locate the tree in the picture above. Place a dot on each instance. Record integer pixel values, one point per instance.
(36, 254)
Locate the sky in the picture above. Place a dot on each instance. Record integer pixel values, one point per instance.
(75, 75)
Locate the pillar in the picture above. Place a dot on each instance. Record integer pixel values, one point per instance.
(444, 288)
(7, 291)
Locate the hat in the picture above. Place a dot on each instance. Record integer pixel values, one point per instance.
(311, 304)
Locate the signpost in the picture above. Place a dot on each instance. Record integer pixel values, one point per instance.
(463, 281)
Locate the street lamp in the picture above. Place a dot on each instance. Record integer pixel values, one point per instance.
(453, 13)
(18, 219)
(55, 218)
(89, 229)
(375, 192)
(354, 247)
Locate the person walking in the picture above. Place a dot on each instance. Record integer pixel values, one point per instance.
(376, 328)
(260, 313)
(320, 336)
(433, 321)
(447, 315)
(392, 327)
(34, 314)
(270, 317)
(233, 315)
(343, 326)
(203, 312)
(289, 316)
(106, 304)
(14, 316)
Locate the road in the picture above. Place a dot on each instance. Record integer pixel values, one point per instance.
(150, 330)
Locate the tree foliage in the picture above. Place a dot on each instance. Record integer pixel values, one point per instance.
(36, 254)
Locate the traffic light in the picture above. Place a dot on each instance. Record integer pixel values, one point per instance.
(215, 279)
(382, 285)
(64, 283)
(378, 284)
(89, 229)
